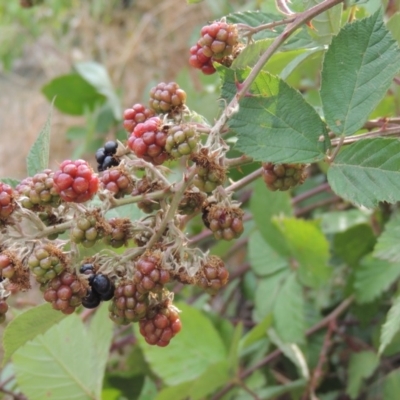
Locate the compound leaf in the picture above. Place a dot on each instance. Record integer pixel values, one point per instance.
(358, 69)
(25, 327)
(274, 122)
(61, 364)
(367, 172)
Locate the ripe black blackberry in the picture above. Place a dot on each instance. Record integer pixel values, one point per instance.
(105, 156)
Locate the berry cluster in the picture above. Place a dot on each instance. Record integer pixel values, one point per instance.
(212, 275)
(283, 176)
(217, 42)
(7, 203)
(105, 156)
(88, 230)
(3, 310)
(75, 181)
(182, 140)
(166, 98)
(136, 115)
(100, 287)
(117, 181)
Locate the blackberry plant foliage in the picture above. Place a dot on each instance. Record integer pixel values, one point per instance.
(263, 245)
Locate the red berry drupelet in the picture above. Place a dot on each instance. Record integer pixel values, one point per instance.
(283, 176)
(159, 327)
(148, 140)
(212, 275)
(75, 181)
(65, 292)
(117, 181)
(200, 61)
(225, 222)
(136, 115)
(149, 275)
(128, 305)
(7, 202)
(218, 39)
(3, 310)
(167, 97)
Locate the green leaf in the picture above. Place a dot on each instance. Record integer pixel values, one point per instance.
(61, 364)
(257, 333)
(149, 390)
(38, 156)
(393, 24)
(367, 172)
(278, 203)
(186, 358)
(387, 247)
(340, 221)
(274, 123)
(267, 292)
(288, 311)
(73, 94)
(391, 325)
(233, 356)
(10, 181)
(301, 58)
(264, 260)
(292, 352)
(373, 277)
(101, 334)
(326, 24)
(97, 76)
(214, 377)
(354, 243)
(309, 248)
(361, 367)
(358, 69)
(25, 327)
(251, 54)
(391, 385)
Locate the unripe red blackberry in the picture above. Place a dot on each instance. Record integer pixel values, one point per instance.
(283, 176)
(167, 97)
(192, 201)
(200, 61)
(136, 115)
(7, 265)
(65, 292)
(7, 202)
(46, 262)
(75, 181)
(3, 310)
(182, 140)
(117, 181)
(225, 222)
(212, 275)
(210, 173)
(218, 39)
(161, 327)
(143, 186)
(150, 276)
(87, 230)
(119, 232)
(148, 140)
(128, 305)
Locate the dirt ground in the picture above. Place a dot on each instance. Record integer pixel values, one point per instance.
(137, 45)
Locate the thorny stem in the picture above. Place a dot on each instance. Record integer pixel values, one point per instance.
(341, 308)
(172, 208)
(392, 131)
(312, 192)
(250, 30)
(244, 181)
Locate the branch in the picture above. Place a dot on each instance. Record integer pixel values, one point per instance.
(392, 131)
(342, 307)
